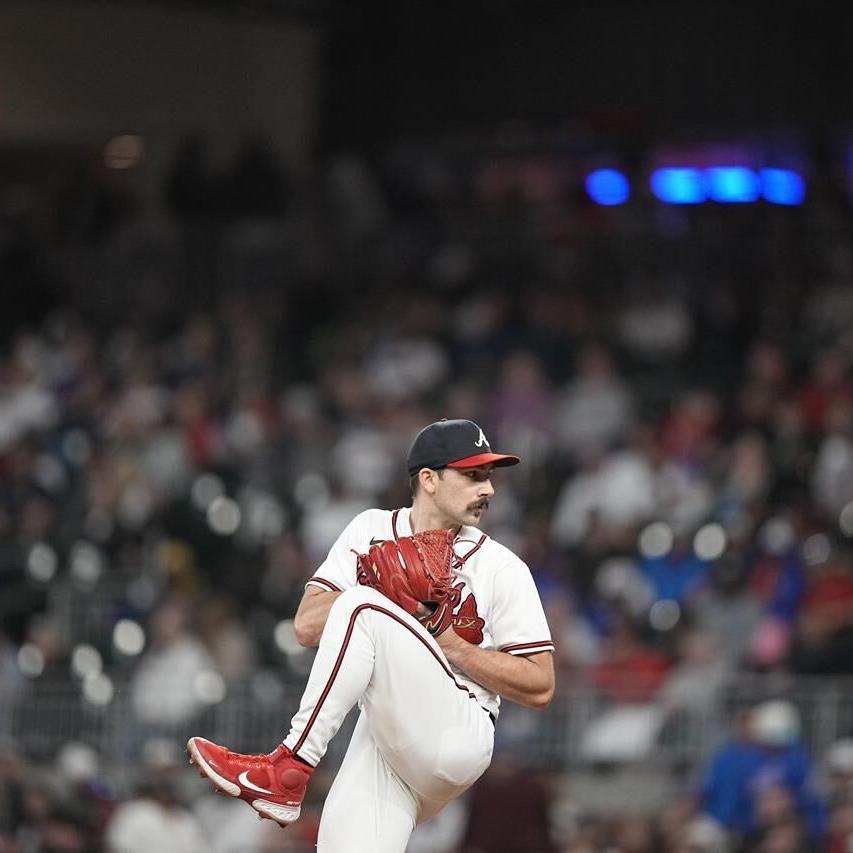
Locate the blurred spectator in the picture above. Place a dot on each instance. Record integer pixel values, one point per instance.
(363, 462)
(701, 835)
(833, 465)
(155, 818)
(748, 478)
(228, 828)
(508, 812)
(577, 644)
(778, 580)
(655, 325)
(628, 676)
(635, 834)
(594, 410)
(824, 634)
(405, 364)
(841, 828)
(47, 662)
(676, 575)
(683, 492)
(828, 307)
(284, 579)
(838, 763)
(226, 638)
(689, 434)
(779, 826)
(43, 826)
(589, 837)
(630, 669)
(826, 386)
(727, 609)
(325, 515)
(694, 682)
(50, 809)
(617, 489)
(478, 330)
(357, 205)
(552, 320)
(763, 768)
(85, 790)
(12, 773)
(523, 408)
(25, 404)
(765, 383)
(165, 689)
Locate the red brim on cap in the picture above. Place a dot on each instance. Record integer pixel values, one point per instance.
(501, 460)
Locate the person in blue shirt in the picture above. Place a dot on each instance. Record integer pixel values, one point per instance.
(765, 752)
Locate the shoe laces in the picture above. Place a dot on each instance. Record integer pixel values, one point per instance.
(255, 760)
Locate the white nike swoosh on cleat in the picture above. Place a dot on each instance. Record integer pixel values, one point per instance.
(243, 780)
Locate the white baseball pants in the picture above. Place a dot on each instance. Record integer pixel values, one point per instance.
(421, 740)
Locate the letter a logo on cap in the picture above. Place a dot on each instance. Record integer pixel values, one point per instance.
(481, 441)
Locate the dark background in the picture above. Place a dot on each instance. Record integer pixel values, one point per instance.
(614, 65)
(617, 65)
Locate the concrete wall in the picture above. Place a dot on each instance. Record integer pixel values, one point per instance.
(73, 72)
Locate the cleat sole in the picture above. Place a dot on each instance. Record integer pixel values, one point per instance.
(282, 815)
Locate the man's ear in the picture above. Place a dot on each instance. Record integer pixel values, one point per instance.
(428, 479)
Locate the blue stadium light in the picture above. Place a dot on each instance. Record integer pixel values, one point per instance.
(608, 187)
(782, 186)
(679, 185)
(732, 184)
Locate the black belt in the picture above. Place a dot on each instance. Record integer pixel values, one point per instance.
(492, 717)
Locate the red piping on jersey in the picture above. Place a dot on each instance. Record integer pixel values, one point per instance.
(340, 659)
(394, 523)
(460, 561)
(516, 647)
(323, 582)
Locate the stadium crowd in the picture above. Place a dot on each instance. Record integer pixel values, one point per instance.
(197, 394)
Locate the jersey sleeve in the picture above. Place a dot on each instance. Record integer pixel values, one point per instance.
(518, 623)
(337, 572)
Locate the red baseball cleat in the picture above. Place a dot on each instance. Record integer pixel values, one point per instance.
(273, 784)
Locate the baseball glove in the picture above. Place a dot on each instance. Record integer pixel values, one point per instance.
(414, 570)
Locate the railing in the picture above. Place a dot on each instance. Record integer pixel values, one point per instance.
(39, 718)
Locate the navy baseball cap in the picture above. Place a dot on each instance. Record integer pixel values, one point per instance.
(453, 444)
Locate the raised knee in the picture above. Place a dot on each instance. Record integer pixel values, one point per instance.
(356, 595)
(369, 607)
(357, 598)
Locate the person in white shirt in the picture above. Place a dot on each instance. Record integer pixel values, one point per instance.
(155, 818)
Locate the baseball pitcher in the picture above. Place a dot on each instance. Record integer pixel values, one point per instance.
(423, 621)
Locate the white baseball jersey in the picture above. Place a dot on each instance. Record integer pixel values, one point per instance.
(499, 605)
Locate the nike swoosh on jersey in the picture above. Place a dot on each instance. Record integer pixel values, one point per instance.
(243, 779)
(375, 541)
